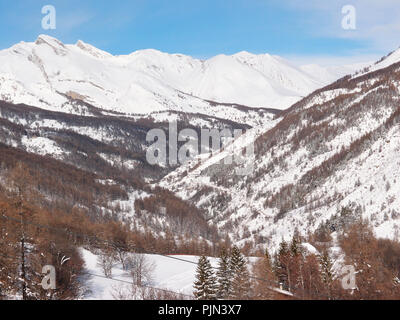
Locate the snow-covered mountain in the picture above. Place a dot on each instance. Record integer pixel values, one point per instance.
(330, 74)
(329, 158)
(48, 74)
(91, 110)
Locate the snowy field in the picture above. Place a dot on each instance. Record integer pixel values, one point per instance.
(171, 274)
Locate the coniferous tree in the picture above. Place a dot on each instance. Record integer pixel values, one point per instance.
(224, 276)
(240, 275)
(205, 285)
(282, 264)
(326, 267)
(326, 271)
(294, 246)
(295, 265)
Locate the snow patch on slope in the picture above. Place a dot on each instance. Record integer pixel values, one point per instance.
(42, 146)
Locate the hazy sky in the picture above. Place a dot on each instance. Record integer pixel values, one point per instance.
(306, 30)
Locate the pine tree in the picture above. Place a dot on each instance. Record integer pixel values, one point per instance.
(224, 276)
(294, 246)
(205, 284)
(282, 264)
(240, 275)
(326, 271)
(296, 264)
(326, 267)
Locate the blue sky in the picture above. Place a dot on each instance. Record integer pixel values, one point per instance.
(303, 30)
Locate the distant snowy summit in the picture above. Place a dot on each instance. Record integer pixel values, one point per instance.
(47, 73)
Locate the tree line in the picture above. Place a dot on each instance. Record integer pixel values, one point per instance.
(295, 272)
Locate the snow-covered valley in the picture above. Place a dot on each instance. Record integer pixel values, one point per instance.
(324, 141)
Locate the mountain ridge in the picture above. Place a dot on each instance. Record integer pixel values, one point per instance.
(148, 80)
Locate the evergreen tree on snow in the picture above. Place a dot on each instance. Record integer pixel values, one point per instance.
(294, 246)
(281, 266)
(205, 285)
(224, 276)
(326, 268)
(326, 272)
(240, 275)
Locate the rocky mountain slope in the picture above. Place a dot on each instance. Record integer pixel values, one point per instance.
(76, 109)
(98, 163)
(329, 158)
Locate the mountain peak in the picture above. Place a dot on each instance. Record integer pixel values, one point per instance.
(44, 38)
(244, 54)
(148, 52)
(56, 45)
(92, 50)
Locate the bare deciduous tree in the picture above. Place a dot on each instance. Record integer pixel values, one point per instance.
(140, 268)
(106, 262)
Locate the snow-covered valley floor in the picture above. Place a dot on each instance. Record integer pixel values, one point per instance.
(171, 274)
(174, 273)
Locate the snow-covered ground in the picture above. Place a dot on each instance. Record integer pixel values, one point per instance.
(170, 273)
(42, 146)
